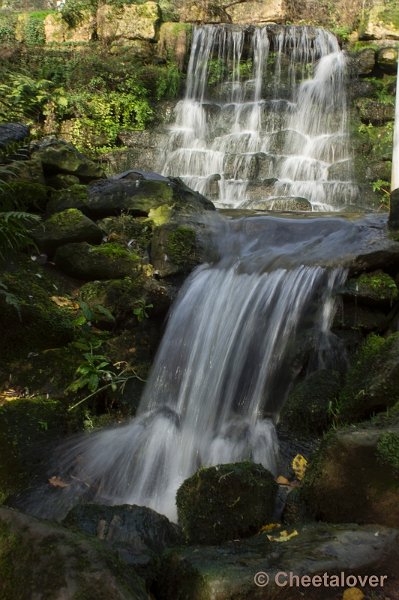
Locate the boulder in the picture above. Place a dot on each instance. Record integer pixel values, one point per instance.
(227, 571)
(128, 22)
(68, 226)
(42, 560)
(11, 133)
(57, 156)
(137, 533)
(374, 112)
(372, 381)
(174, 249)
(283, 203)
(137, 194)
(354, 476)
(387, 59)
(364, 61)
(382, 21)
(60, 181)
(108, 261)
(225, 502)
(307, 410)
(74, 196)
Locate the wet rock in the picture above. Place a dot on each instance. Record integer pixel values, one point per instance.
(372, 381)
(108, 261)
(282, 203)
(68, 226)
(57, 156)
(353, 315)
(354, 477)
(227, 571)
(43, 560)
(137, 533)
(373, 289)
(307, 410)
(225, 502)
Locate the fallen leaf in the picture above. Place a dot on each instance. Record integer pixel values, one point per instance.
(64, 302)
(57, 482)
(283, 536)
(281, 480)
(353, 594)
(299, 466)
(269, 527)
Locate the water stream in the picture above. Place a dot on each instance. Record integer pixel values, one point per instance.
(264, 118)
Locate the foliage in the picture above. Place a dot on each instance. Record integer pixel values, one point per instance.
(7, 29)
(14, 231)
(9, 297)
(388, 449)
(73, 10)
(383, 187)
(168, 82)
(141, 310)
(34, 28)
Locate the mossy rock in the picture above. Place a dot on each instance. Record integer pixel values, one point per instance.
(61, 181)
(372, 381)
(354, 477)
(307, 410)
(374, 112)
(40, 322)
(119, 296)
(175, 249)
(44, 560)
(58, 156)
(28, 430)
(74, 196)
(68, 226)
(125, 229)
(225, 502)
(108, 261)
(374, 289)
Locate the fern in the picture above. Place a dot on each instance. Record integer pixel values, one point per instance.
(15, 231)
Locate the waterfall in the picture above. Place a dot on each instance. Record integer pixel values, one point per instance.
(264, 118)
(238, 335)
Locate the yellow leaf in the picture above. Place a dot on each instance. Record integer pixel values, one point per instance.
(353, 594)
(299, 465)
(269, 527)
(281, 480)
(283, 536)
(64, 302)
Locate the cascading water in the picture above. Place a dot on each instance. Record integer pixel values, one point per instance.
(264, 118)
(237, 337)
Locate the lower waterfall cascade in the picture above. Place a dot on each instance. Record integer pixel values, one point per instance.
(264, 118)
(238, 335)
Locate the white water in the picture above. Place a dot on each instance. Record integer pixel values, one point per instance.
(263, 103)
(237, 337)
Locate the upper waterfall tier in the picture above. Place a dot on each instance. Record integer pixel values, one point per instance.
(264, 117)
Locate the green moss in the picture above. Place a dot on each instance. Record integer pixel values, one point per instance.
(377, 286)
(388, 449)
(181, 245)
(66, 219)
(309, 406)
(390, 15)
(42, 323)
(372, 382)
(75, 196)
(225, 502)
(115, 251)
(26, 427)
